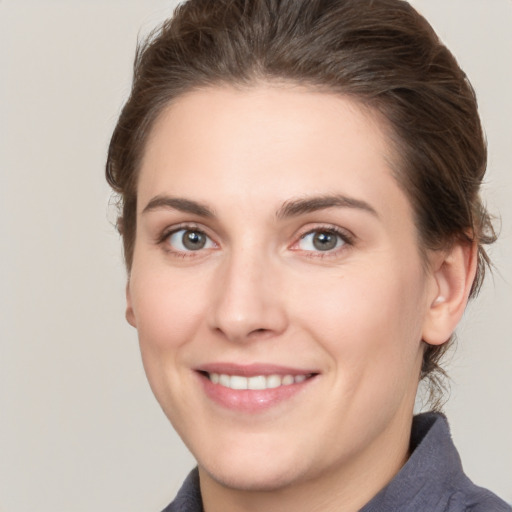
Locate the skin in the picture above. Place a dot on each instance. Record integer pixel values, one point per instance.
(260, 291)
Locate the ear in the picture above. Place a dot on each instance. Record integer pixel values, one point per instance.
(453, 274)
(130, 315)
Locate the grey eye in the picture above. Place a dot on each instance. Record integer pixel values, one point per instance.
(321, 241)
(186, 240)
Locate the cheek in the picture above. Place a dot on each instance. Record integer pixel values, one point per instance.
(168, 313)
(167, 309)
(367, 317)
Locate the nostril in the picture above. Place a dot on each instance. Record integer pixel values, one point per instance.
(259, 332)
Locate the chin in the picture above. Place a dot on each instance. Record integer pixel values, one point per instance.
(250, 480)
(249, 473)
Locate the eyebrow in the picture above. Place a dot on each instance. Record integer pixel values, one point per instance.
(290, 208)
(297, 207)
(180, 204)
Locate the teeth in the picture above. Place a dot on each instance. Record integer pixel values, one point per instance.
(257, 382)
(237, 382)
(287, 380)
(224, 380)
(273, 381)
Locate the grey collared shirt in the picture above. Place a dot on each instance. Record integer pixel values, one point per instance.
(432, 480)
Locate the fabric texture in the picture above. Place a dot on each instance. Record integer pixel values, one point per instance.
(432, 480)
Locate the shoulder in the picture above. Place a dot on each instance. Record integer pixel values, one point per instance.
(433, 479)
(471, 498)
(463, 495)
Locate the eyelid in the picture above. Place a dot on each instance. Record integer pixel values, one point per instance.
(346, 236)
(163, 238)
(169, 230)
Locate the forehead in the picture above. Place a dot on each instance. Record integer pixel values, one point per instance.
(268, 141)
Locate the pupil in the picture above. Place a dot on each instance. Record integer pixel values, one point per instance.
(193, 240)
(324, 241)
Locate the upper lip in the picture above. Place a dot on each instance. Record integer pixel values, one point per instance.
(251, 370)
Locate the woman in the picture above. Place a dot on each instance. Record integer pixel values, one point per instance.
(299, 182)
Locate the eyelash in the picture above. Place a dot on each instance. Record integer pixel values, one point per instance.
(346, 238)
(164, 238)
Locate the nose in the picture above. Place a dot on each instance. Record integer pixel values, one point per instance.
(248, 302)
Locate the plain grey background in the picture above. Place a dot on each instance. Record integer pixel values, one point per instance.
(79, 428)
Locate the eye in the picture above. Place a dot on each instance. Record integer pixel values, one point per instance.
(186, 240)
(321, 240)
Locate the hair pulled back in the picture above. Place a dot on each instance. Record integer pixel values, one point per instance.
(381, 53)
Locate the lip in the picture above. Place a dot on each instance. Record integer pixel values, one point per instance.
(247, 400)
(251, 370)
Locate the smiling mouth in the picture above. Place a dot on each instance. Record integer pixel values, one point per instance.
(253, 388)
(256, 382)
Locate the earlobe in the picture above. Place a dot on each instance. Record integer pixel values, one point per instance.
(130, 315)
(453, 275)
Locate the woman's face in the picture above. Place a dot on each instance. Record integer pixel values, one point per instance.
(276, 252)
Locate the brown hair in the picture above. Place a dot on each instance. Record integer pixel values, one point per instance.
(382, 53)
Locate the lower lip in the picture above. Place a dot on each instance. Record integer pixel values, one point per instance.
(251, 400)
